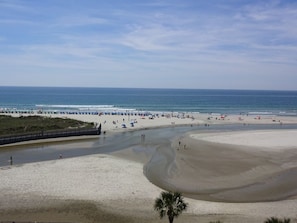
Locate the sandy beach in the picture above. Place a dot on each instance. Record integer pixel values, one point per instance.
(238, 176)
(114, 123)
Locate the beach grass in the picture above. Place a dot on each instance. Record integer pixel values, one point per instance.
(31, 124)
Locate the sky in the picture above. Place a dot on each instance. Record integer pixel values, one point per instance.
(218, 44)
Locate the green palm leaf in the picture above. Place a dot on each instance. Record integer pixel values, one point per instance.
(171, 204)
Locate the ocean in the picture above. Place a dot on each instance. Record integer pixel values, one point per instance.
(154, 100)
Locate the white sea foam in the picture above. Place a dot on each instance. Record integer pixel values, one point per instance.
(90, 107)
(260, 113)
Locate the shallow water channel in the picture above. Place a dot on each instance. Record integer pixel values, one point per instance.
(111, 143)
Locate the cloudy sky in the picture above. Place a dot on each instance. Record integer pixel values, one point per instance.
(219, 44)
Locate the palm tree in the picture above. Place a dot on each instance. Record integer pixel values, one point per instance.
(170, 204)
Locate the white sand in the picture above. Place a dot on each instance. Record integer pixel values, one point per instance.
(269, 140)
(99, 178)
(119, 184)
(115, 183)
(112, 123)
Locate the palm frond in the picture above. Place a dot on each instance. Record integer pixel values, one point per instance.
(171, 204)
(277, 220)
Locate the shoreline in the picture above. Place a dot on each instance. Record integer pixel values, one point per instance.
(116, 130)
(88, 187)
(113, 188)
(112, 124)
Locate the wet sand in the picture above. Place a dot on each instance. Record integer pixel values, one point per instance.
(113, 188)
(233, 176)
(245, 166)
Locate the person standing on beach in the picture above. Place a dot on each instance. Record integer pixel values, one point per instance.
(10, 160)
(142, 138)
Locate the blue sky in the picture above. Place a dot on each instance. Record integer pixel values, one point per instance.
(153, 44)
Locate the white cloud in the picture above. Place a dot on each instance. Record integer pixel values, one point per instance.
(160, 40)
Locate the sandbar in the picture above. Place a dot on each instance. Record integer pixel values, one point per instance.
(220, 167)
(222, 176)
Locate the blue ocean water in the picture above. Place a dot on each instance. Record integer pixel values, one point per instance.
(161, 100)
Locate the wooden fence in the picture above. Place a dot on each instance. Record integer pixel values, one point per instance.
(49, 134)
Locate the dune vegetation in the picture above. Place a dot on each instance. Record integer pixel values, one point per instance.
(30, 124)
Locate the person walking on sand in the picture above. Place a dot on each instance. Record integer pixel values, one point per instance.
(10, 160)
